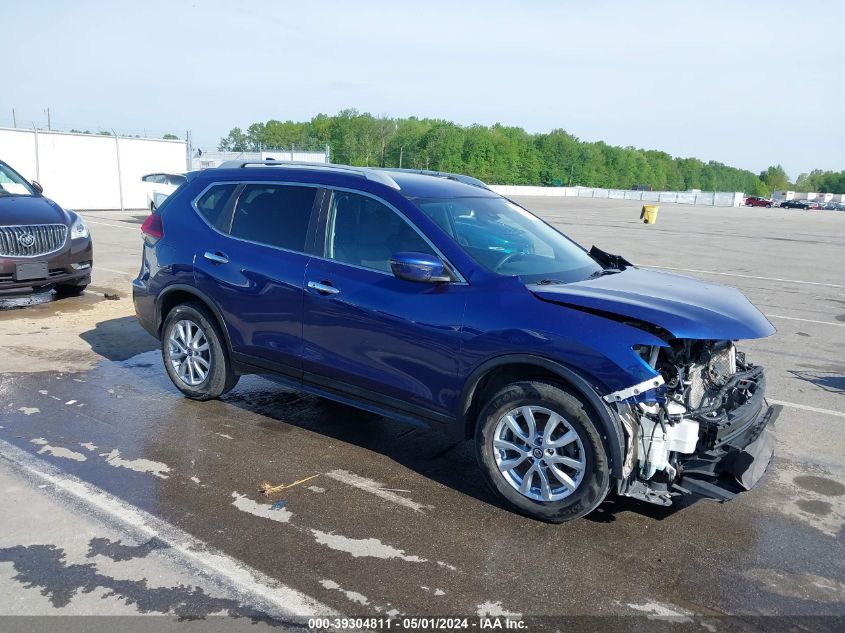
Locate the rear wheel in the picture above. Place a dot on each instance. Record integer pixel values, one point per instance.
(194, 353)
(539, 447)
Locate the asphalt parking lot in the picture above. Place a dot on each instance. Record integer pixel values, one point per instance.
(122, 497)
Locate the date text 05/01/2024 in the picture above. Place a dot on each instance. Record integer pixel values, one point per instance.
(418, 623)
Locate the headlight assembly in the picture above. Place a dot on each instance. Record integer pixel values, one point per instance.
(79, 230)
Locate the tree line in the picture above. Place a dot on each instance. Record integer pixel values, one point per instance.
(496, 154)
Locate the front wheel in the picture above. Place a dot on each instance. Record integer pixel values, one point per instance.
(539, 447)
(194, 353)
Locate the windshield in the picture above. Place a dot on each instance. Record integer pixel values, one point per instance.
(12, 184)
(508, 240)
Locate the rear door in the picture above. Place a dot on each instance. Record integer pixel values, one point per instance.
(253, 265)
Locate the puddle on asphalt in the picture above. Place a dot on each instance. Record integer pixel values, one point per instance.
(18, 301)
(44, 303)
(814, 506)
(821, 485)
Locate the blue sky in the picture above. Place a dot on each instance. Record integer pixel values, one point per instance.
(748, 83)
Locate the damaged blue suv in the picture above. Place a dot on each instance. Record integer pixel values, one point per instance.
(428, 298)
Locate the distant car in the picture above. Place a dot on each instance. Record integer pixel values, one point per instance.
(757, 201)
(799, 204)
(41, 244)
(159, 186)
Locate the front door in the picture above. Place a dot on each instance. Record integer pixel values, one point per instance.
(368, 333)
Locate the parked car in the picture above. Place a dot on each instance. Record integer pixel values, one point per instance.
(757, 201)
(41, 244)
(799, 204)
(427, 298)
(159, 186)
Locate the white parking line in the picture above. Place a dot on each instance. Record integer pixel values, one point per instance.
(805, 407)
(258, 589)
(713, 272)
(112, 270)
(778, 316)
(116, 226)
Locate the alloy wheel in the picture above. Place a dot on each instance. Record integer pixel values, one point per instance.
(189, 352)
(539, 453)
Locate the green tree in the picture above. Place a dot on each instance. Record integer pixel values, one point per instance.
(775, 178)
(506, 155)
(234, 141)
(170, 137)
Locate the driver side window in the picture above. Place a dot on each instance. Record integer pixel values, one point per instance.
(364, 232)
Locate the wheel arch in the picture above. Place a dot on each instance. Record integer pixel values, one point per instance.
(175, 294)
(497, 372)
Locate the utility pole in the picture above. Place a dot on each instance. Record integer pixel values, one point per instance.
(37, 161)
(49, 127)
(14, 119)
(119, 174)
(401, 151)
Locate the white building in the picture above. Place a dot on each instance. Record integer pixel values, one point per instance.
(91, 171)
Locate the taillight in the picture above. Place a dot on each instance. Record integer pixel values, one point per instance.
(153, 227)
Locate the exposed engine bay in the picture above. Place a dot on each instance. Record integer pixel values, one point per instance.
(705, 424)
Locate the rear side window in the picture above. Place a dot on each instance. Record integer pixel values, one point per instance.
(212, 203)
(276, 215)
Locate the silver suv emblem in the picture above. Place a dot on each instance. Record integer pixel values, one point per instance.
(26, 239)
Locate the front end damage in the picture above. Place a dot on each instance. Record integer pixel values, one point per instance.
(698, 427)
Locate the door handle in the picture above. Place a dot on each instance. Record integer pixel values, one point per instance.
(217, 258)
(322, 288)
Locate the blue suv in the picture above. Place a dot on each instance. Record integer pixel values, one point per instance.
(426, 297)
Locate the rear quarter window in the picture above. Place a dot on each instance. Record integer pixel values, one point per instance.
(214, 201)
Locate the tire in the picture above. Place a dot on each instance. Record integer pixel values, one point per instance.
(592, 480)
(768, 206)
(72, 290)
(206, 372)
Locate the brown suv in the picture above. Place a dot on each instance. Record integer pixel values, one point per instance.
(41, 244)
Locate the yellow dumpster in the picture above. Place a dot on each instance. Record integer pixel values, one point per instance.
(649, 213)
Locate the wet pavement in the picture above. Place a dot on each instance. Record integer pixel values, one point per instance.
(383, 519)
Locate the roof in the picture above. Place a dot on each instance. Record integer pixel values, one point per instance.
(417, 185)
(410, 183)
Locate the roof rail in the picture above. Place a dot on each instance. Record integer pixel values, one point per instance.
(467, 180)
(368, 173)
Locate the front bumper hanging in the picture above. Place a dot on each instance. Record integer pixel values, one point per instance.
(737, 464)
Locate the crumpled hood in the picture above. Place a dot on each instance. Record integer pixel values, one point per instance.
(685, 307)
(30, 210)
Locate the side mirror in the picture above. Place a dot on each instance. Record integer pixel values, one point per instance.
(37, 186)
(419, 267)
